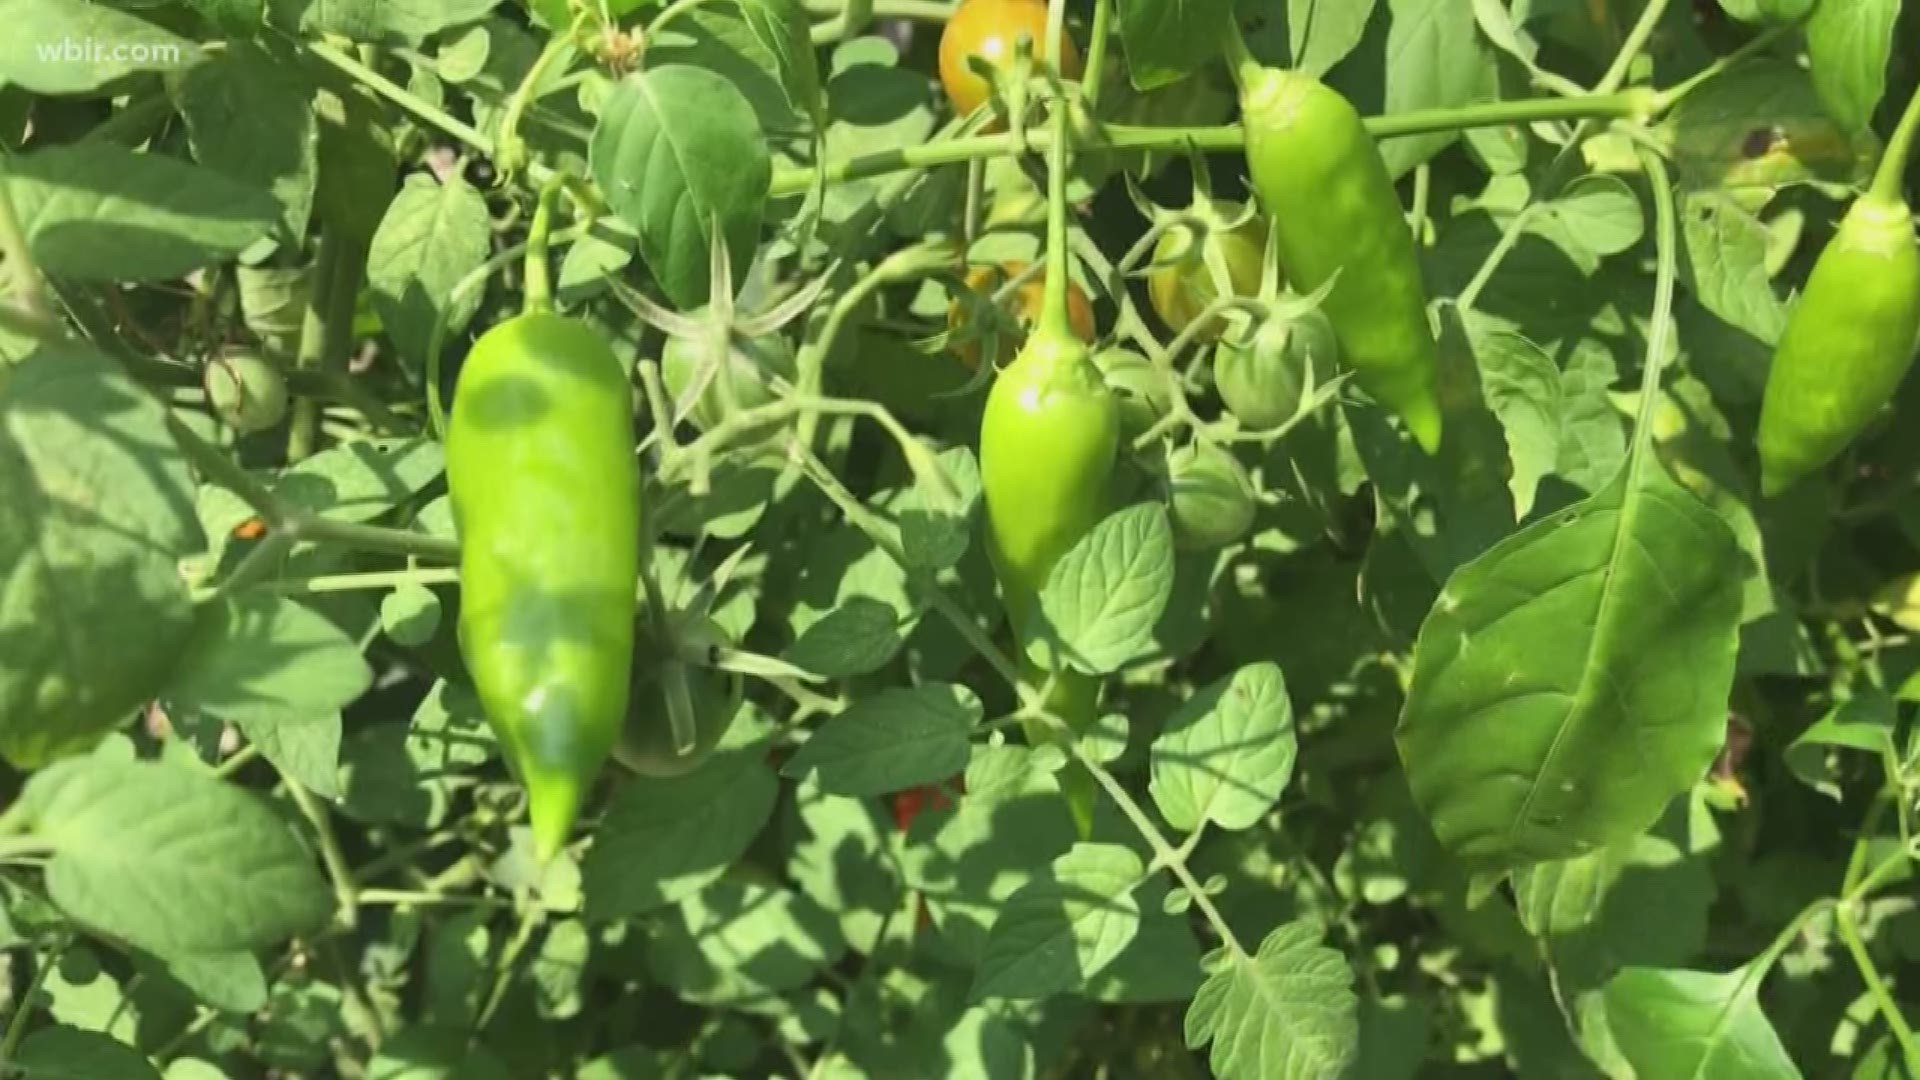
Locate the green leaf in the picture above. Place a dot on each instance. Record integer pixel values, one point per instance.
(101, 212)
(1762, 125)
(361, 481)
(1320, 33)
(434, 1053)
(781, 26)
(738, 942)
(1436, 59)
(433, 235)
(893, 740)
(662, 841)
(99, 513)
(64, 1053)
(376, 22)
(264, 660)
(1064, 927)
(1167, 40)
(170, 859)
(249, 116)
(1849, 45)
(932, 536)
(230, 981)
(76, 45)
(1864, 723)
(1726, 264)
(1225, 755)
(1695, 1025)
(678, 152)
(1106, 594)
(857, 638)
(1573, 680)
(1288, 1013)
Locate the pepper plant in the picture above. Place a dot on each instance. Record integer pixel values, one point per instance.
(1003, 538)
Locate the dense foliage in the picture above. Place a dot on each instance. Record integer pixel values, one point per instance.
(901, 538)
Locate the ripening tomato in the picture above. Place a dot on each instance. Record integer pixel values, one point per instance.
(1181, 285)
(990, 29)
(1026, 302)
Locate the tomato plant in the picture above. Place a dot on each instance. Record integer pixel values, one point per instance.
(1005, 538)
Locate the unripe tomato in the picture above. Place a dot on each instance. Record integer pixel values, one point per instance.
(1181, 286)
(1027, 301)
(1210, 497)
(989, 29)
(646, 741)
(1142, 389)
(1263, 382)
(681, 360)
(246, 390)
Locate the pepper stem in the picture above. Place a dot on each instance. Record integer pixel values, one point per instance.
(539, 279)
(1240, 60)
(1886, 180)
(1054, 319)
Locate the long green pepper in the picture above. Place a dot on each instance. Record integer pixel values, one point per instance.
(546, 500)
(1322, 181)
(1851, 337)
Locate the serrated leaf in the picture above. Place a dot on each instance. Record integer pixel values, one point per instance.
(1574, 679)
(1062, 928)
(1226, 755)
(893, 740)
(678, 151)
(1106, 594)
(1288, 1013)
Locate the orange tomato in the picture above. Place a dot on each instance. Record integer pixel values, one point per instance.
(1026, 301)
(989, 29)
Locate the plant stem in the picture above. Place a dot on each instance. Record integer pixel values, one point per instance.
(312, 527)
(1893, 165)
(1666, 248)
(1843, 921)
(1630, 50)
(1122, 138)
(23, 1007)
(1054, 320)
(17, 255)
(339, 874)
(1097, 52)
(539, 276)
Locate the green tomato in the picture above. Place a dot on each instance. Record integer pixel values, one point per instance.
(1263, 382)
(1181, 286)
(1142, 390)
(708, 698)
(1210, 497)
(766, 356)
(247, 391)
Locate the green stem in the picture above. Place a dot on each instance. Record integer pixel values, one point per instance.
(1630, 50)
(1666, 249)
(1054, 319)
(1761, 43)
(375, 579)
(1893, 165)
(308, 527)
(324, 333)
(1843, 921)
(1241, 62)
(339, 874)
(1097, 52)
(539, 280)
(17, 255)
(402, 97)
(23, 1006)
(512, 149)
(1124, 138)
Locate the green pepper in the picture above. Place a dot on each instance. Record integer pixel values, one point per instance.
(1049, 440)
(546, 500)
(1852, 334)
(1323, 182)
